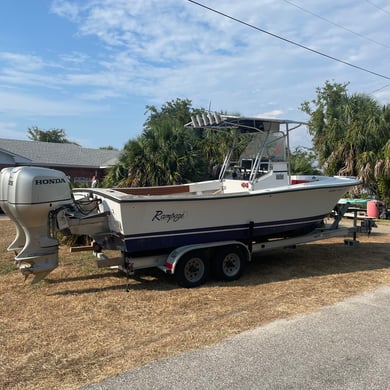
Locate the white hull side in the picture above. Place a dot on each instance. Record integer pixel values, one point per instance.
(149, 223)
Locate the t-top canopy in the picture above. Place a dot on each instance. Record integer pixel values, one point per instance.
(243, 124)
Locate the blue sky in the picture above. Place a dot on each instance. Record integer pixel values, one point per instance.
(91, 67)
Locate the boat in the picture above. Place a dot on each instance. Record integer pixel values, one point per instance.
(262, 201)
(254, 199)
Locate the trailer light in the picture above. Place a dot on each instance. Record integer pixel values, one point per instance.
(169, 266)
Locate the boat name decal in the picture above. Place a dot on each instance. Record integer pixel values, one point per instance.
(167, 217)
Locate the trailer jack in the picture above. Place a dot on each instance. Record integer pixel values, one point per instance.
(129, 271)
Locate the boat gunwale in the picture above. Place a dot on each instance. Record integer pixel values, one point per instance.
(190, 197)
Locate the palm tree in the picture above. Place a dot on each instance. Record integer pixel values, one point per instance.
(166, 152)
(350, 135)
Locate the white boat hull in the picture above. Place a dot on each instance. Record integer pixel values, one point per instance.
(148, 223)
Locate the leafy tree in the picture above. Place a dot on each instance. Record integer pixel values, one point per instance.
(53, 135)
(166, 152)
(178, 111)
(303, 162)
(109, 147)
(351, 136)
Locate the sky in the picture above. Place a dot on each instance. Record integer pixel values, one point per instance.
(91, 67)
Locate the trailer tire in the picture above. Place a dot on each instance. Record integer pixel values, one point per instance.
(229, 263)
(192, 269)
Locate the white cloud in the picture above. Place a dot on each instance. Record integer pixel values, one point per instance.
(26, 105)
(9, 130)
(74, 58)
(179, 35)
(67, 9)
(160, 50)
(270, 114)
(27, 62)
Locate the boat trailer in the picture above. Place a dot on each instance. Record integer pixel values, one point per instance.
(188, 263)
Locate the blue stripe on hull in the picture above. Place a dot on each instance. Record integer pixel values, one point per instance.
(168, 240)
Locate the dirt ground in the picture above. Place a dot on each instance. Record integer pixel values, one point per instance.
(80, 326)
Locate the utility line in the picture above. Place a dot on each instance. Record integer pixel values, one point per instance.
(336, 24)
(376, 6)
(380, 89)
(288, 40)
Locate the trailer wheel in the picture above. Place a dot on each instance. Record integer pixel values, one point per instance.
(229, 263)
(192, 269)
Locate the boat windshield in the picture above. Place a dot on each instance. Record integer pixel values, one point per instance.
(268, 143)
(273, 146)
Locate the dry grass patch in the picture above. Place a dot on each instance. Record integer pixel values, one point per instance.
(80, 325)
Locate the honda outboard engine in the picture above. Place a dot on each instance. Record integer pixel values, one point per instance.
(33, 193)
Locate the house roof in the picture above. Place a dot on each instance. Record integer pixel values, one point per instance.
(55, 154)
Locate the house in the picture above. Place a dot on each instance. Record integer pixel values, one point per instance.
(80, 164)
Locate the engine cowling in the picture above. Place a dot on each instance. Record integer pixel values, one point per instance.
(33, 193)
(20, 238)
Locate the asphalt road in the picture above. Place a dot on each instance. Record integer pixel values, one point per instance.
(344, 346)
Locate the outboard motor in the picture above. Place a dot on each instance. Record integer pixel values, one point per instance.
(20, 239)
(33, 193)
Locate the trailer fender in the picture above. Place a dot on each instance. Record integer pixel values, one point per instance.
(175, 256)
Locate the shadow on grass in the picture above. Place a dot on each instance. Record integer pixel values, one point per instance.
(306, 261)
(98, 276)
(316, 260)
(148, 279)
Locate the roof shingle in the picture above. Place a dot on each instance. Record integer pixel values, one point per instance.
(60, 154)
